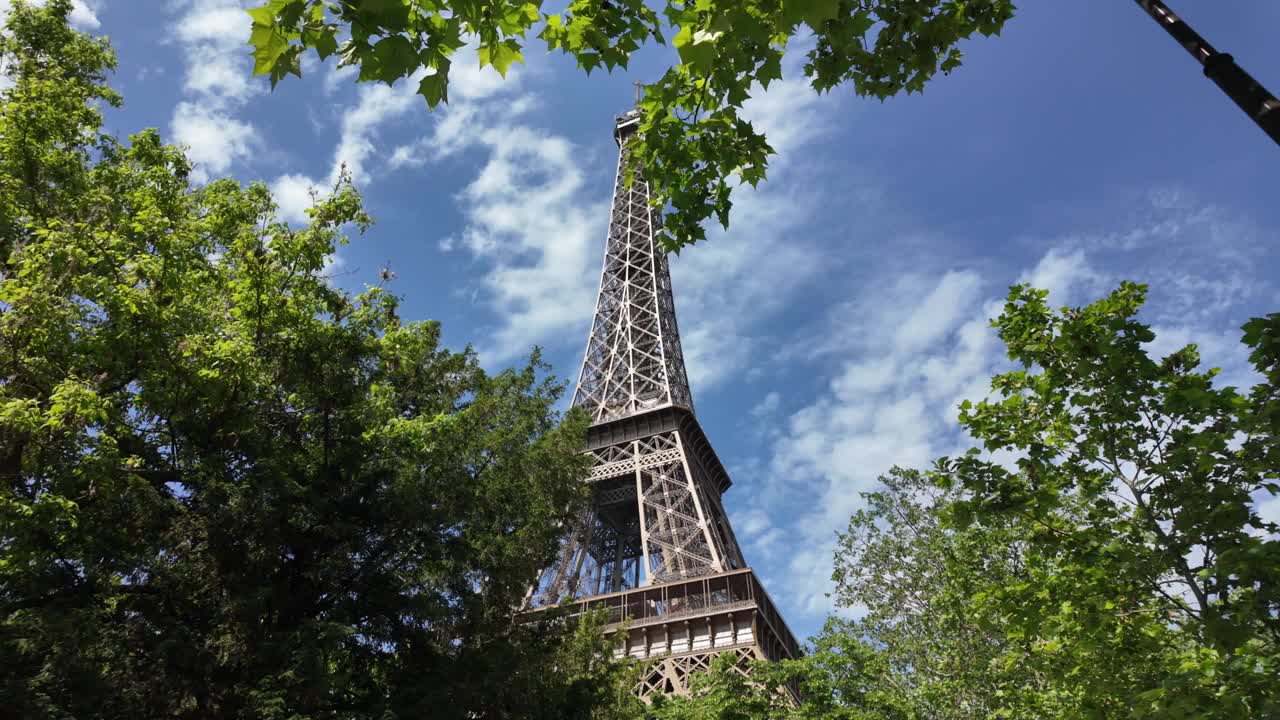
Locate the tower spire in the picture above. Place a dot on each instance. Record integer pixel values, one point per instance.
(633, 362)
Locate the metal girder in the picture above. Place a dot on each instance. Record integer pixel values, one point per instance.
(654, 490)
(673, 674)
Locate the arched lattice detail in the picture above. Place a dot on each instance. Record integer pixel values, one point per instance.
(673, 674)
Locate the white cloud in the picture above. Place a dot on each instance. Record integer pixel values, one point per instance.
(530, 217)
(217, 82)
(213, 138)
(789, 113)
(219, 22)
(866, 376)
(530, 213)
(149, 71)
(335, 77)
(333, 264)
(1200, 260)
(294, 196)
(729, 287)
(1268, 508)
(84, 13)
(375, 106)
(468, 82)
(454, 125)
(907, 350)
(939, 311)
(1217, 348)
(1062, 273)
(468, 112)
(752, 522)
(222, 80)
(917, 345)
(768, 406)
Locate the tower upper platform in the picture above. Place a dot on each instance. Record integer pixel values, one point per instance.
(625, 125)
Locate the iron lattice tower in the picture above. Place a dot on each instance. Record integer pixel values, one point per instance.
(654, 548)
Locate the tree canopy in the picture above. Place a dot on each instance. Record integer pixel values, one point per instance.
(693, 145)
(1109, 563)
(1134, 480)
(229, 488)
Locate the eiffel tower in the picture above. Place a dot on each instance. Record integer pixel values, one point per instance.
(654, 549)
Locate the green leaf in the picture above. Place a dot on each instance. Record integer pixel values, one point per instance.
(770, 69)
(324, 39)
(435, 88)
(264, 16)
(501, 55)
(290, 63)
(695, 50)
(396, 56)
(813, 13)
(392, 12)
(588, 61)
(268, 46)
(684, 37)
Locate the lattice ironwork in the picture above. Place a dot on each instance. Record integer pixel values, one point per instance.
(671, 675)
(633, 361)
(652, 491)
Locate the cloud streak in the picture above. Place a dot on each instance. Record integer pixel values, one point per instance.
(903, 351)
(216, 85)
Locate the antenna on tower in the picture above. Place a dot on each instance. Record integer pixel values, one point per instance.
(639, 92)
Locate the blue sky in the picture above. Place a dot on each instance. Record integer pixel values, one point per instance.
(834, 328)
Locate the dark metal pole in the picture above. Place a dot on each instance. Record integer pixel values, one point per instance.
(1222, 69)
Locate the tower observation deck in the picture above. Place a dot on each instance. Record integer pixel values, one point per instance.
(654, 548)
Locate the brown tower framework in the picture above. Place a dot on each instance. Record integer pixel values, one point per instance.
(654, 548)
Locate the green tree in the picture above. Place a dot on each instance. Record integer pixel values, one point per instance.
(229, 488)
(912, 579)
(920, 646)
(841, 677)
(1114, 567)
(1135, 479)
(693, 145)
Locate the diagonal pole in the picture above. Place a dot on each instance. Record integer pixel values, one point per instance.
(1221, 68)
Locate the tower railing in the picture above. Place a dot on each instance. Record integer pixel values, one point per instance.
(682, 600)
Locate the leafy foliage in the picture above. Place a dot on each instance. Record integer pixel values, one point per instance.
(693, 144)
(1135, 479)
(229, 488)
(1114, 566)
(914, 578)
(841, 678)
